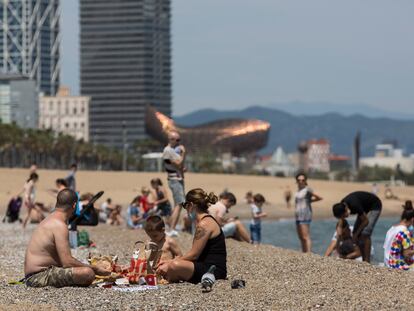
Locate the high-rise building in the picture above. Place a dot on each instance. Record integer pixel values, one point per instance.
(18, 101)
(125, 66)
(29, 41)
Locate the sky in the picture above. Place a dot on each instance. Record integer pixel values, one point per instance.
(231, 54)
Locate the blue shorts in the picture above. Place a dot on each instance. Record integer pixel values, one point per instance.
(303, 222)
(177, 189)
(229, 229)
(256, 233)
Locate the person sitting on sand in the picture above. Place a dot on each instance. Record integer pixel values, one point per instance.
(48, 260)
(231, 227)
(368, 208)
(398, 245)
(115, 217)
(134, 215)
(345, 246)
(155, 228)
(209, 244)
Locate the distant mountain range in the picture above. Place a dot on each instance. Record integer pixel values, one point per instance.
(299, 108)
(287, 130)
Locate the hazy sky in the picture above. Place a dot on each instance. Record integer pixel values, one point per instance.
(235, 53)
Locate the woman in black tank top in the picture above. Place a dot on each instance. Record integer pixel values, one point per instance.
(209, 246)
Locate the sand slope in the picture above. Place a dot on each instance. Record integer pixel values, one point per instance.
(276, 279)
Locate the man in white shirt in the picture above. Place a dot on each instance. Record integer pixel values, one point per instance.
(231, 227)
(173, 157)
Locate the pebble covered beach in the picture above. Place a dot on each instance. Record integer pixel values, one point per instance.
(276, 279)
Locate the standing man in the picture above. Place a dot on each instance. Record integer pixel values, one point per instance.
(70, 179)
(48, 260)
(174, 156)
(368, 208)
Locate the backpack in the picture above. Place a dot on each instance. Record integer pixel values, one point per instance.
(83, 238)
(13, 209)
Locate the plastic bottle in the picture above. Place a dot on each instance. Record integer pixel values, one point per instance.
(73, 238)
(208, 279)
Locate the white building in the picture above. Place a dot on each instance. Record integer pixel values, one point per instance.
(65, 114)
(279, 164)
(386, 155)
(317, 156)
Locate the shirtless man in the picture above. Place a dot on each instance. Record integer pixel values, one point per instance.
(48, 260)
(155, 229)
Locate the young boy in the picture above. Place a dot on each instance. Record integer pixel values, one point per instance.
(345, 246)
(257, 215)
(155, 229)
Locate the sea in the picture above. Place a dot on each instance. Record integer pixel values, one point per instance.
(282, 233)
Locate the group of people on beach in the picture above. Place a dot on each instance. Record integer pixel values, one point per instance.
(49, 261)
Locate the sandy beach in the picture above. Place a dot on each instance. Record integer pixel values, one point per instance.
(122, 187)
(276, 279)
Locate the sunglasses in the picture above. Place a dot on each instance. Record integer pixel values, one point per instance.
(186, 205)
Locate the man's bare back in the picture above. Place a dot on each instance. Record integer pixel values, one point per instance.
(42, 252)
(48, 260)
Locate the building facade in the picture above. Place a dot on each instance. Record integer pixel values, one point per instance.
(387, 155)
(18, 101)
(125, 65)
(317, 157)
(29, 41)
(65, 114)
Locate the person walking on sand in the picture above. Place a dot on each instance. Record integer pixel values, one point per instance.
(304, 198)
(288, 196)
(29, 196)
(48, 260)
(368, 208)
(174, 156)
(71, 178)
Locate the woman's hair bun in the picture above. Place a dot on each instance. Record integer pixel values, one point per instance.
(211, 198)
(408, 206)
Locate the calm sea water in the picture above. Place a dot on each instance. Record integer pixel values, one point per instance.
(282, 233)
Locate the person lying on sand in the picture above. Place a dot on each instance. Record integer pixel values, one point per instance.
(48, 260)
(155, 228)
(209, 244)
(231, 227)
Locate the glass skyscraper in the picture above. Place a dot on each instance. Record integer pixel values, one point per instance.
(125, 66)
(29, 41)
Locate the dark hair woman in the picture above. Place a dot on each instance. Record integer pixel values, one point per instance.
(209, 246)
(304, 198)
(398, 245)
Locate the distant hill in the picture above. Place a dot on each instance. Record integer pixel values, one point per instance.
(287, 130)
(298, 108)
